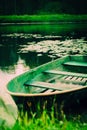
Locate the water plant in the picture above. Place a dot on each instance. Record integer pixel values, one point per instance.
(47, 121)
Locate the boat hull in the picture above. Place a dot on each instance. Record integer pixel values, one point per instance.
(61, 80)
(65, 102)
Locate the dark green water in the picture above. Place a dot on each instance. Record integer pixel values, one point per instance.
(13, 38)
(59, 29)
(20, 48)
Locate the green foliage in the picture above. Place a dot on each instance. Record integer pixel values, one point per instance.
(42, 6)
(43, 18)
(46, 121)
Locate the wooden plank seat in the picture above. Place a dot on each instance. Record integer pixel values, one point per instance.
(74, 80)
(75, 63)
(65, 73)
(53, 79)
(68, 79)
(58, 86)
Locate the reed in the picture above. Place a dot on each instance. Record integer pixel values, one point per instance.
(46, 121)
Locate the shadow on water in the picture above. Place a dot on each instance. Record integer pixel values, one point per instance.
(15, 37)
(44, 29)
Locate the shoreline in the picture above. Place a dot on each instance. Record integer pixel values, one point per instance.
(41, 23)
(43, 19)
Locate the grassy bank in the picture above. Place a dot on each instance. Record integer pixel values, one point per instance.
(48, 119)
(46, 122)
(43, 18)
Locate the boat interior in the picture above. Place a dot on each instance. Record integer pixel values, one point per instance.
(62, 75)
(70, 75)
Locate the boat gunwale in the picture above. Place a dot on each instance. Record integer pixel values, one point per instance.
(46, 94)
(43, 94)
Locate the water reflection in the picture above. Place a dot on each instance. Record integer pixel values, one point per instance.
(7, 73)
(33, 60)
(44, 29)
(13, 63)
(8, 56)
(15, 56)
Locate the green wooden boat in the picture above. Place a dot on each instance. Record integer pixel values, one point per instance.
(66, 75)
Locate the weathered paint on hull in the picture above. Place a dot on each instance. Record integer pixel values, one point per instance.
(21, 93)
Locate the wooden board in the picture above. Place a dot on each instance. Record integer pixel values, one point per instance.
(75, 63)
(65, 73)
(58, 86)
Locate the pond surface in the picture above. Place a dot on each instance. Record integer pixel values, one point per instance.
(23, 47)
